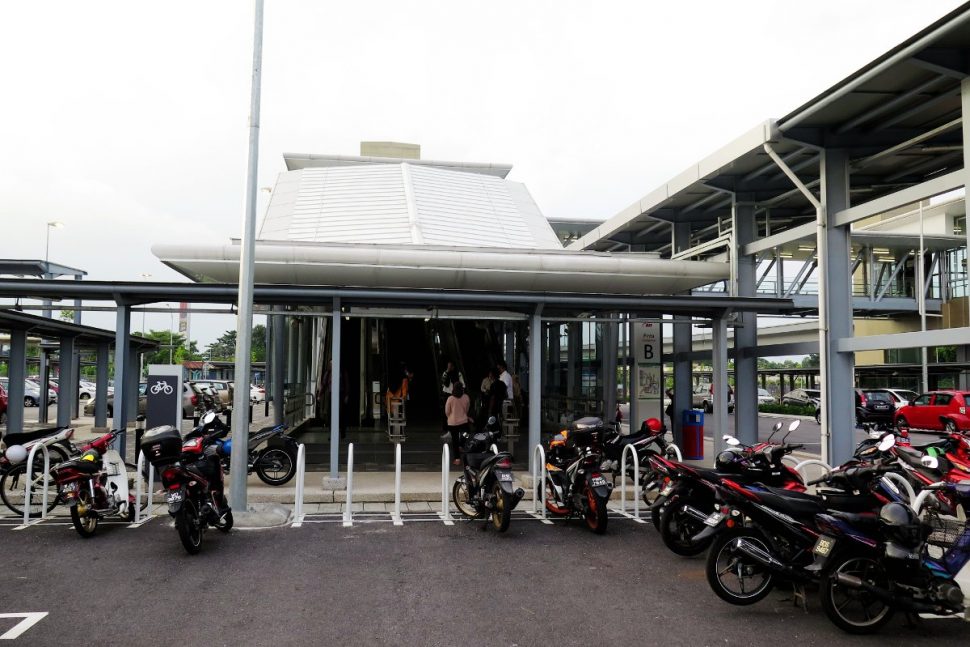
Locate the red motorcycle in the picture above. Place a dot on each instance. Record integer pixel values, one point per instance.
(95, 485)
(192, 476)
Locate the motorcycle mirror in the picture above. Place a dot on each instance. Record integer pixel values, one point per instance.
(930, 461)
(492, 420)
(794, 425)
(776, 427)
(887, 442)
(208, 417)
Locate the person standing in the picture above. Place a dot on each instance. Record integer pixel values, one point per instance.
(450, 378)
(497, 394)
(456, 413)
(484, 391)
(506, 377)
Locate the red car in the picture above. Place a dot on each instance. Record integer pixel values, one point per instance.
(936, 411)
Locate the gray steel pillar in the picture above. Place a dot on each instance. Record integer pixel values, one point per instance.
(67, 382)
(633, 415)
(746, 334)
(17, 372)
(720, 378)
(835, 289)
(302, 349)
(44, 377)
(608, 367)
(573, 358)
(131, 384)
(535, 383)
(101, 394)
(292, 350)
(683, 336)
(555, 356)
(277, 367)
(122, 341)
(335, 392)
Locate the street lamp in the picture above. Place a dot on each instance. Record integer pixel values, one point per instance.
(53, 224)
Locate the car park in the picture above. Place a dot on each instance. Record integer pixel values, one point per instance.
(31, 392)
(142, 402)
(703, 397)
(936, 411)
(221, 390)
(900, 397)
(765, 398)
(874, 406)
(802, 398)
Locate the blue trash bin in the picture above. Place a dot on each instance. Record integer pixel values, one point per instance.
(692, 426)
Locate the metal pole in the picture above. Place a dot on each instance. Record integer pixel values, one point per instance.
(535, 381)
(335, 392)
(17, 372)
(244, 320)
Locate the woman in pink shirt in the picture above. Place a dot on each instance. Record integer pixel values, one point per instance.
(456, 411)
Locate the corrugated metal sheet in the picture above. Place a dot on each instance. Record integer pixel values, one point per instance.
(370, 204)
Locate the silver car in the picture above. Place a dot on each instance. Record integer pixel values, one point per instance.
(31, 392)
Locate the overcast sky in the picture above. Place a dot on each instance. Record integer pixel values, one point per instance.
(128, 120)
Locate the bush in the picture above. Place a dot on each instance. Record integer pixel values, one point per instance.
(787, 409)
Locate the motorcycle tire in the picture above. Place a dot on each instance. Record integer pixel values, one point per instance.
(502, 513)
(85, 524)
(838, 600)
(275, 466)
(12, 488)
(656, 512)
(677, 529)
(462, 499)
(723, 562)
(596, 514)
(226, 525)
(188, 523)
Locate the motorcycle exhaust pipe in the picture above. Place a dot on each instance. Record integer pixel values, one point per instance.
(695, 513)
(517, 496)
(768, 560)
(853, 582)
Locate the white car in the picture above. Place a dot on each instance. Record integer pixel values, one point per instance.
(765, 398)
(257, 393)
(86, 390)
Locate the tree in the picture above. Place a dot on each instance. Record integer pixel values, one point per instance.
(172, 344)
(811, 361)
(67, 315)
(224, 348)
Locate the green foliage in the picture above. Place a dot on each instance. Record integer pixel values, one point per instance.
(787, 409)
(811, 361)
(172, 345)
(224, 348)
(67, 315)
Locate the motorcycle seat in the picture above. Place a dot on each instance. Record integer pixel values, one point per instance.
(857, 520)
(85, 467)
(913, 458)
(26, 436)
(795, 504)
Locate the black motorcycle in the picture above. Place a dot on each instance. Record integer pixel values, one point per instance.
(273, 465)
(647, 441)
(485, 486)
(574, 483)
(191, 473)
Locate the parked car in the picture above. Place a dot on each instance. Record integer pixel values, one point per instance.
(802, 398)
(703, 397)
(221, 390)
(142, 402)
(86, 390)
(936, 411)
(874, 406)
(256, 393)
(765, 398)
(900, 397)
(31, 392)
(3, 406)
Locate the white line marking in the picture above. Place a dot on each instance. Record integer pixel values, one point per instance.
(29, 620)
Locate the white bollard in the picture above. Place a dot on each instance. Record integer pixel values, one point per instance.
(298, 495)
(445, 513)
(636, 483)
(812, 461)
(397, 486)
(29, 483)
(348, 511)
(680, 457)
(139, 484)
(898, 482)
(539, 480)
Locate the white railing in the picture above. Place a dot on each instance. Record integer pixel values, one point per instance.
(396, 517)
(298, 495)
(494, 449)
(29, 485)
(900, 480)
(445, 513)
(636, 482)
(539, 480)
(922, 497)
(680, 456)
(812, 461)
(139, 484)
(349, 503)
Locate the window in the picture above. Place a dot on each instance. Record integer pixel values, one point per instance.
(880, 396)
(923, 400)
(942, 399)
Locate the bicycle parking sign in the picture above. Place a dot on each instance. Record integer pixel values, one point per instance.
(163, 393)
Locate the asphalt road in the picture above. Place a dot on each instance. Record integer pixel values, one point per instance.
(421, 584)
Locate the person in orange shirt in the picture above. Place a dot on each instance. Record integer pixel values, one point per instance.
(398, 386)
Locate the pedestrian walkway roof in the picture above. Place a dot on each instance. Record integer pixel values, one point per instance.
(54, 328)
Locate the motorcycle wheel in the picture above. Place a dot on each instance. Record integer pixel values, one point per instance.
(596, 513)
(502, 514)
(855, 611)
(189, 526)
(551, 503)
(85, 524)
(226, 525)
(733, 577)
(12, 490)
(657, 512)
(462, 498)
(275, 466)
(677, 528)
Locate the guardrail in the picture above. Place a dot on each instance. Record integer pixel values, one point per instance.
(139, 484)
(349, 504)
(636, 483)
(680, 456)
(445, 513)
(813, 461)
(539, 468)
(396, 517)
(494, 449)
(28, 486)
(923, 496)
(300, 478)
(900, 480)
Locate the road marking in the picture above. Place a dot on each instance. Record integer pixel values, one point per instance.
(29, 620)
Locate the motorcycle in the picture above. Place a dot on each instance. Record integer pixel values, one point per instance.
(485, 486)
(273, 465)
(574, 482)
(95, 485)
(649, 440)
(192, 476)
(872, 569)
(13, 466)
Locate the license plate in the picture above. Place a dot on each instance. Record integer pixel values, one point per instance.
(667, 490)
(823, 546)
(598, 481)
(504, 476)
(174, 496)
(714, 519)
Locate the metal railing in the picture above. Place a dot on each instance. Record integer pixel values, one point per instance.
(636, 483)
(139, 484)
(300, 478)
(812, 461)
(539, 470)
(349, 504)
(396, 517)
(893, 480)
(29, 485)
(445, 513)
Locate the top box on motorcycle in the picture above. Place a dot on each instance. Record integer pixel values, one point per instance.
(585, 432)
(162, 445)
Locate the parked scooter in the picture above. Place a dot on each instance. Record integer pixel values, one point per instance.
(13, 466)
(192, 477)
(485, 486)
(95, 485)
(273, 465)
(574, 483)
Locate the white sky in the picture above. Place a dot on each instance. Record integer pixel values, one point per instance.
(128, 121)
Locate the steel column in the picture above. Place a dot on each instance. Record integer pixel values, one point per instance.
(555, 356)
(122, 341)
(67, 382)
(574, 358)
(630, 360)
(535, 382)
(17, 372)
(101, 394)
(719, 363)
(608, 368)
(44, 374)
(683, 366)
(746, 335)
(965, 113)
(277, 366)
(335, 392)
